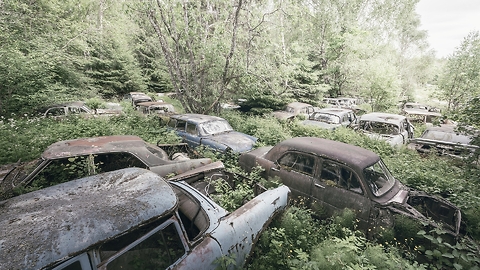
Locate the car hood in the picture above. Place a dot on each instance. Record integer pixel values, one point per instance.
(320, 124)
(429, 209)
(237, 141)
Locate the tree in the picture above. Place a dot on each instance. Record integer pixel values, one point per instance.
(460, 80)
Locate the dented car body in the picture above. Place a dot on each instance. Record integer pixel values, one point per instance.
(150, 224)
(333, 176)
(293, 110)
(331, 118)
(395, 129)
(445, 140)
(72, 159)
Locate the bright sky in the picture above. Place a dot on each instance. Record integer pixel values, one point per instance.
(448, 22)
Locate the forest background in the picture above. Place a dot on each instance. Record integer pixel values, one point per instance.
(268, 52)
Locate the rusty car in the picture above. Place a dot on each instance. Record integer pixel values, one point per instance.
(78, 108)
(331, 118)
(332, 176)
(136, 97)
(71, 159)
(210, 131)
(395, 129)
(446, 140)
(155, 107)
(294, 109)
(421, 113)
(129, 219)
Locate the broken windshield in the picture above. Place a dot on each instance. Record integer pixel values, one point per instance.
(327, 118)
(215, 127)
(380, 127)
(378, 178)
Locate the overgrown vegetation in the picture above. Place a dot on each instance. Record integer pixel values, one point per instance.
(296, 240)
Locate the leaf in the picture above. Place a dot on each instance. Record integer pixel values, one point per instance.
(448, 255)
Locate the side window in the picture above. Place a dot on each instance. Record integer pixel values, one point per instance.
(115, 161)
(192, 129)
(80, 262)
(62, 170)
(180, 125)
(298, 162)
(68, 169)
(340, 176)
(144, 248)
(194, 219)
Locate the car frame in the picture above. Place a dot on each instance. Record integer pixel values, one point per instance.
(331, 118)
(151, 222)
(395, 129)
(331, 176)
(72, 159)
(210, 131)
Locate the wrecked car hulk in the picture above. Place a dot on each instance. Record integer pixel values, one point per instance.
(332, 176)
(72, 159)
(150, 224)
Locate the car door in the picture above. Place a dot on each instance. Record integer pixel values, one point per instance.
(296, 170)
(191, 135)
(338, 187)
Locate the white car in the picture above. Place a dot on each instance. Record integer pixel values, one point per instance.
(395, 129)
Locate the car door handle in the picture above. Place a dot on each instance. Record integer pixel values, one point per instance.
(318, 185)
(275, 170)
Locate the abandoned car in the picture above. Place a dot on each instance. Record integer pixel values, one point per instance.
(155, 107)
(393, 128)
(72, 159)
(210, 131)
(129, 219)
(333, 176)
(137, 97)
(331, 118)
(293, 110)
(445, 140)
(420, 113)
(77, 108)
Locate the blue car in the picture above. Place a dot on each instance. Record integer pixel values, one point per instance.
(210, 131)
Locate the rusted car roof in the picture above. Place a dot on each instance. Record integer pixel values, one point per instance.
(84, 146)
(196, 118)
(51, 224)
(342, 152)
(383, 117)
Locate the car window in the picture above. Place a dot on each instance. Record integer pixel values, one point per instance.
(192, 129)
(194, 218)
(80, 262)
(68, 169)
(338, 175)
(180, 125)
(144, 248)
(215, 127)
(378, 178)
(298, 162)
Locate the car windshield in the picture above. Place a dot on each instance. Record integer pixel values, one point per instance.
(378, 178)
(290, 109)
(327, 118)
(380, 127)
(215, 127)
(446, 136)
